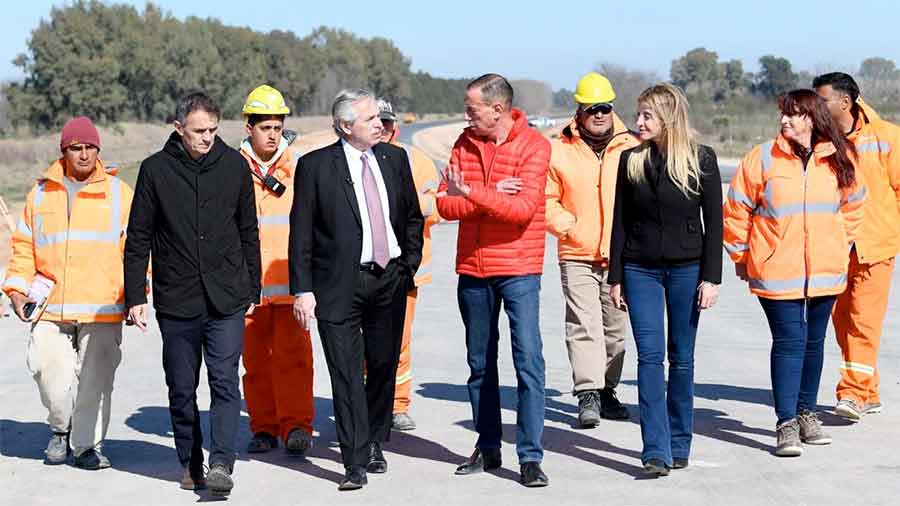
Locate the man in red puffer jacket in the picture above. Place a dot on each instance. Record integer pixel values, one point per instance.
(499, 259)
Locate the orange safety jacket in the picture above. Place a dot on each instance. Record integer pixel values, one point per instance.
(878, 149)
(792, 226)
(581, 192)
(81, 254)
(273, 213)
(426, 177)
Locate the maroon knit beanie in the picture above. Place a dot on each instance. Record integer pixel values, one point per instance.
(79, 130)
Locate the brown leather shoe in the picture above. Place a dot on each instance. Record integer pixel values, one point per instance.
(190, 482)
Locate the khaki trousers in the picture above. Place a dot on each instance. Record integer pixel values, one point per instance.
(74, 365)
(595, 329)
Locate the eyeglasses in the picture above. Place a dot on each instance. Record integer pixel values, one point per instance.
(604, 108)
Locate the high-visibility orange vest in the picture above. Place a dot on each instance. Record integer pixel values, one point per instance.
(81, 254)
(878, 150)
(426, 177)
(581, 191)
(274, 215)
(791, 227)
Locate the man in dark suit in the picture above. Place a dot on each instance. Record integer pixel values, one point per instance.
(356, 241)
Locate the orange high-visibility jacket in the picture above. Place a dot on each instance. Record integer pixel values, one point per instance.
(878, 147)
(426, 178)
(581, 192)
(81, 254)
(792, 227)
(273, 213)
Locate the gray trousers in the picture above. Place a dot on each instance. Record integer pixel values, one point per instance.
(595, 329)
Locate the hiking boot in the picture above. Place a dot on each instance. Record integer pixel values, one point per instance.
(656, 467)
(811, 431)
(788, 435)
(192, 480)
(92, 460)
(219, 481)
(402, 421)
(531, 475)
(298, 441)
(588, 409)
(871, 408)
(849, 409)
(261, 442)
(610, 407)
(57, 448)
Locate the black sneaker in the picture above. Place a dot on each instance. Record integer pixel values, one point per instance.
(588, 409)
(610, 407)
(218, 480)
(532, 476)
(92, 460)
(679, 463)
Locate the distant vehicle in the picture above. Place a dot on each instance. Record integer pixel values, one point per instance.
(410, 117)
(541, 122)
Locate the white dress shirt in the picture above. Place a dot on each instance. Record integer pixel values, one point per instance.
(354, 161)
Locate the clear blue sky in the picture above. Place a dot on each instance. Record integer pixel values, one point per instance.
(554, 41)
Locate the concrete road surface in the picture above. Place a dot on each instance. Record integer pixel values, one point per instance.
(731, 463)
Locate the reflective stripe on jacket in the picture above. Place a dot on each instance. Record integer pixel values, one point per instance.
(791, 227)
(273, 214)
(581, 192)
(878, 147)
(81, 254)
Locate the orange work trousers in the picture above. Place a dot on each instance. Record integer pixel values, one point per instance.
(858, 316)
(403, 389)
(278, 383)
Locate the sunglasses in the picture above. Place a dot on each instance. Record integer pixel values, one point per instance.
(605, 108)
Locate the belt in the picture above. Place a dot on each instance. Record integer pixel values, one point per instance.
(370, 267)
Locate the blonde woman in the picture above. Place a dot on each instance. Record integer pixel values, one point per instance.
(666, 259)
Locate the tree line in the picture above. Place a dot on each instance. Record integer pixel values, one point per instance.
(115, 63)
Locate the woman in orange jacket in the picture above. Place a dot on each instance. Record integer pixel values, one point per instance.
(790, 218)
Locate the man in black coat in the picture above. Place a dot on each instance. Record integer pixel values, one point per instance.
(356, 241)
(195, 211)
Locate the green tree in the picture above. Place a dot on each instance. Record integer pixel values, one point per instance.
(775, 76)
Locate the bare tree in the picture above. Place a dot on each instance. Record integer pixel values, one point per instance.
(628, 84)
(534, 97)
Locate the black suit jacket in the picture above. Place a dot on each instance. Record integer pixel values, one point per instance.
(326, 230)
(655, 223)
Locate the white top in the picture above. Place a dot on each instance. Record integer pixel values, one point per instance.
(354, 161)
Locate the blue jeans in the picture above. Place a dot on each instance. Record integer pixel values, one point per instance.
(798, 340)
(479, 304)
(667, 411)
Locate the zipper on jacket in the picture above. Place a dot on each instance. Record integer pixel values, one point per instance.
(71, 207)
(805, 241)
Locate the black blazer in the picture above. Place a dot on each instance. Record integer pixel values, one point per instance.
(326, 231)
(655, 223)
(198, 218)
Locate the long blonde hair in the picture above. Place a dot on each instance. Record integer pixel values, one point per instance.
(670, 106)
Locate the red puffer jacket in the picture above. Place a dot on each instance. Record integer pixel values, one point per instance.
(500, 234)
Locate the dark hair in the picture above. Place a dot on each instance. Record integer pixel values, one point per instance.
(824, 129)
(840, 82)
(494, 88)
(196, 101)
(253, 119)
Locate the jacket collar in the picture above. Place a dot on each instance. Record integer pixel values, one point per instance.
(621, 135)
(820, 150)
(56, 173)
(280, 160)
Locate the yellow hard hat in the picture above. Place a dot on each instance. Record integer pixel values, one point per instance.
(594, 88)
(265, 100)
